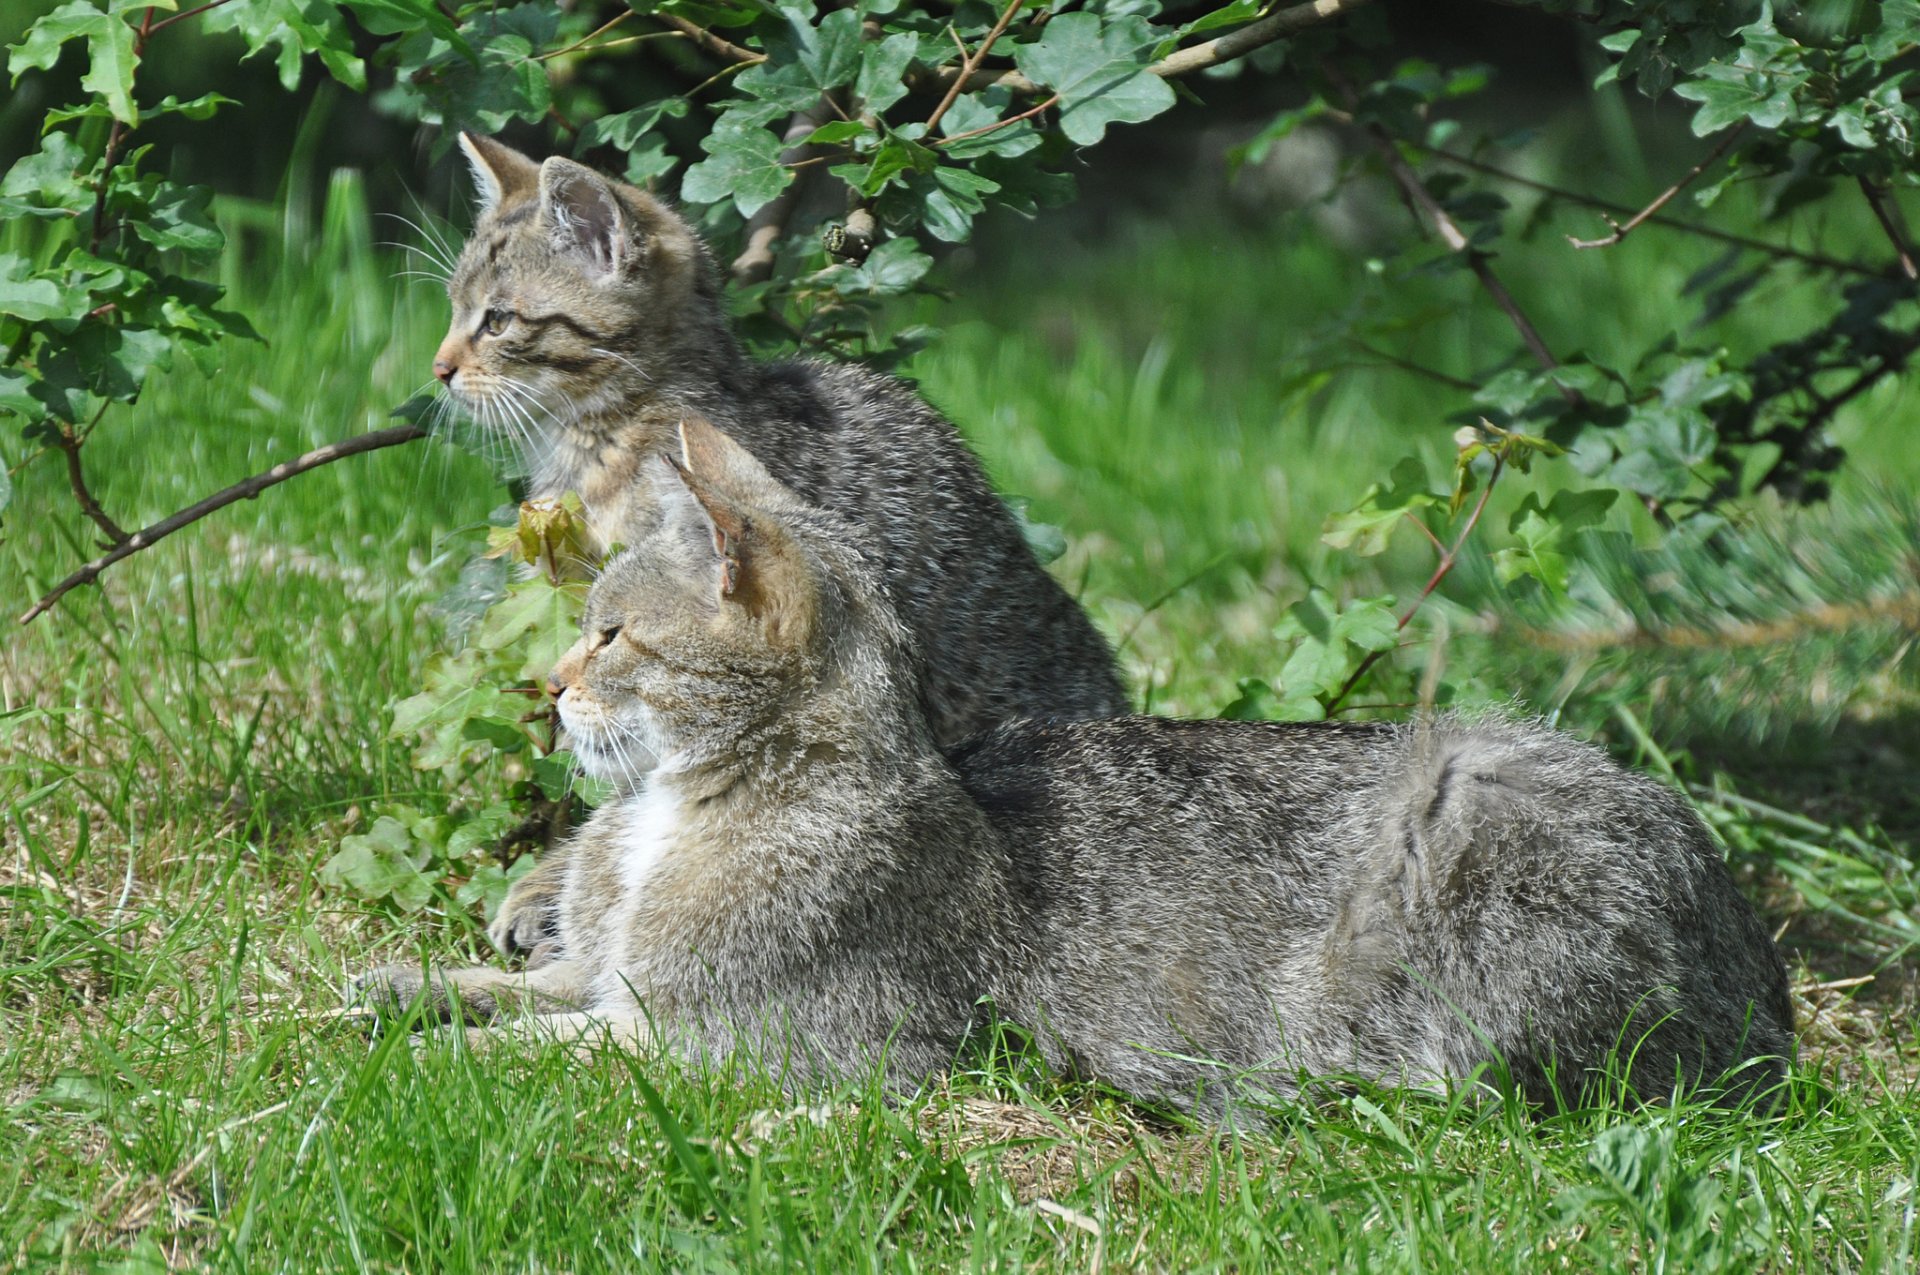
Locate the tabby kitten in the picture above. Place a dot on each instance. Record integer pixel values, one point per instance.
(1185, 910)
(588, 323)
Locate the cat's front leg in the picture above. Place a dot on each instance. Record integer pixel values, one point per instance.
(584, 1031)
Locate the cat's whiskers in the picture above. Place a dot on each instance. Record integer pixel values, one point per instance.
(444, 269)
(644, 374)
(442, 255)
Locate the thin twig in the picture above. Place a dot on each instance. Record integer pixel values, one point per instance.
(1408, 365)
(69, 444)
(1890, 222)
(600, 30)
(1672, 223)
(1665, 197)
(146, 537)
(708, 42)
(971, 63)
(1447, 559)
(164, 23)
(997, 125)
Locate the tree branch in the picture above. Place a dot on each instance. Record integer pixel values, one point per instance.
(146, 537)
(707, 41)
(1664, 198)
(1450, 233)
(1239, 43)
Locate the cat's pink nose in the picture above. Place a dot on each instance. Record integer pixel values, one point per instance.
(443, 368)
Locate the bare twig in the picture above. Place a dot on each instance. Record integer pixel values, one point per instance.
(69, 444)
(1890, 220)
(1447, 559)
(582, 42)
(1621, 231)
(971, 63)
(146, 537)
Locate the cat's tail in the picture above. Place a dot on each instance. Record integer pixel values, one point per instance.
(1559, 916)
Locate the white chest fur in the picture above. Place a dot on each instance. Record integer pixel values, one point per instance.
(648, 830)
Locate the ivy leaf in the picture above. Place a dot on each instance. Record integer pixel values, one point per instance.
(1722, 103)
(1099, 71)
(1543, 532)
(1330, 640)
(454, 691)
(1259, 702)
(744, 165)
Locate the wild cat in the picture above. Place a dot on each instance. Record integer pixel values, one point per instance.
(1184, 910)
(588, 322)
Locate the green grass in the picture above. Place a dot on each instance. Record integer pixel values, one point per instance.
(181, 750)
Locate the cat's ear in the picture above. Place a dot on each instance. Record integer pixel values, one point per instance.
(754, 564)
(585, 214)
(712, 456)
(500, 173)
(709, 529)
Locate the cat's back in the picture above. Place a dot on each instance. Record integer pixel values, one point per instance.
(1001, 638)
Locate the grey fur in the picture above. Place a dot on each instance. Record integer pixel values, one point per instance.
(620, 335)
(1185, 910)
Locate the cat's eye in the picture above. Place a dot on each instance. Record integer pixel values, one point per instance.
(607, 635)
(495, 321)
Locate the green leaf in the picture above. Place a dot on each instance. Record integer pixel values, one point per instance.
(745, 166)
(198, 108)
(805, 61)
(110, 56)
(455, 691)
(31, 300)
(627, 129)
(402, 17)
(1098, 71)
(295, 27)
(385, 862)
(481, 829)
(538, 620)
(951, 199)
(49, 177)
(1369, 525)
(177, 218)
(883, 71)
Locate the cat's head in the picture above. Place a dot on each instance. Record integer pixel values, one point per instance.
(565, 291)
(732, 619)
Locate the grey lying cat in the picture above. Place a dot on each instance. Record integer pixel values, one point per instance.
(588, 323)
(1178, 908)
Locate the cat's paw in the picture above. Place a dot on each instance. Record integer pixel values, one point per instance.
(388, 995)
(528, 922)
